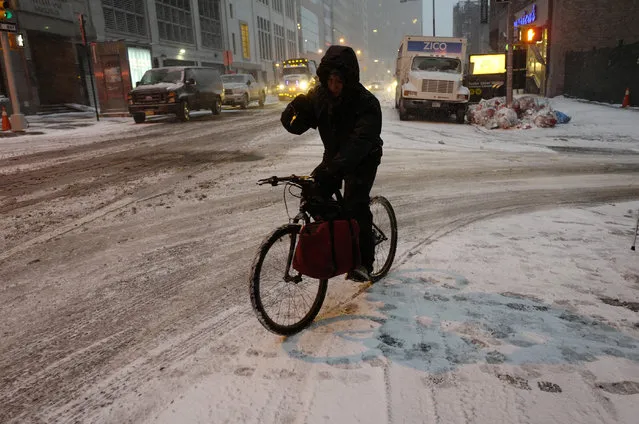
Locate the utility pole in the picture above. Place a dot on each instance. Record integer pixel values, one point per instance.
(433, 18)
(509, 55)
(87, 47)
(17, 119)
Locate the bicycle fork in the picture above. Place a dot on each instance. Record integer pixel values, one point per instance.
(289, 262)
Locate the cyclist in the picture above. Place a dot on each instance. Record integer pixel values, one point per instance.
(349, 120)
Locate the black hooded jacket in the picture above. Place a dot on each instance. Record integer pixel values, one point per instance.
(349, 126)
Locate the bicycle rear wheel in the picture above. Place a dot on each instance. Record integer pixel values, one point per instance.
(284, 302)
(384, 235)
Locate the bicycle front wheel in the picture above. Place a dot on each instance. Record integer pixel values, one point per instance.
(284, 301)
(384, 236)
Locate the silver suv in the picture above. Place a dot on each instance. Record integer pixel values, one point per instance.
(242, 89)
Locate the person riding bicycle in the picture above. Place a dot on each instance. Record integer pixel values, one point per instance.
(349, 120)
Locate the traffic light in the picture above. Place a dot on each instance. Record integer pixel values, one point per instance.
(530, 35)
(5, 10)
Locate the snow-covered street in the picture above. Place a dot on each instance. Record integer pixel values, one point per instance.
(125, 253)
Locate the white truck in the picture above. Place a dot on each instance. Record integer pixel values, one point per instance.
(429, 76)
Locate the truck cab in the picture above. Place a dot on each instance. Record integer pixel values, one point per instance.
(429, 74)
(298, 77)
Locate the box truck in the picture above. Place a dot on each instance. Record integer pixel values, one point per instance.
(430, 72)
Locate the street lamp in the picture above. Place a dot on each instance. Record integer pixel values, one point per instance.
(341, 40)
(320, 51)
(359, 52)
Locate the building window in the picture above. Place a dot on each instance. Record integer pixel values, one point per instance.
(174, 20)
(234, 47)
(139, 62)
(292, 46)
(277, 6)
(246, 42)
(264, 33)
(231, 11)
(211, 24)
(280, 47)
(290, 9)
(263, 1)
(127, 17)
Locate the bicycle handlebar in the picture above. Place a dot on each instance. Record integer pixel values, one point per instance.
(295, 179)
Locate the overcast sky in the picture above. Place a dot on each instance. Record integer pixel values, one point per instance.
(443, 17)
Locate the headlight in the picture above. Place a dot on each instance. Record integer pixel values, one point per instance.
(462, 97)
(281, 86)
(389, 89)
(410, 93)
(172, 96)
(303, 85)
(129, 99)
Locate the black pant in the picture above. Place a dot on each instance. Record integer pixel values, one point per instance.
(357, 189)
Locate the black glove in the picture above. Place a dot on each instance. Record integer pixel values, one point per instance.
(326, 181)
(292, 117)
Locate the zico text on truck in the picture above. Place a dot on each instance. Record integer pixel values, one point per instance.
(429, 76)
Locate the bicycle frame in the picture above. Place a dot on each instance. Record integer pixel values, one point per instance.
(304, 217)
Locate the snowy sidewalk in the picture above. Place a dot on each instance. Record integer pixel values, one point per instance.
(523, 319)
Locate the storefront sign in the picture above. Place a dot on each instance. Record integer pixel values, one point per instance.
(527, 18)
(246, 42)
(54, 8)
(434, 47)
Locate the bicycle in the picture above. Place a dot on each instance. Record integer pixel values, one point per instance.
(273, 262)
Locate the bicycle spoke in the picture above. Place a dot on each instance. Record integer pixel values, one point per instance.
(287, 302)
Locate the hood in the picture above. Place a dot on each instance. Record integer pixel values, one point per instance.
(343, 60)
(159, 86)
(440, 76)
(296, 77)
(235, 85)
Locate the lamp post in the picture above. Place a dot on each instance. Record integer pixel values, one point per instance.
(433, 18)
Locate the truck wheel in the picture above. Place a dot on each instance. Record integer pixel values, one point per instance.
(184, 113)
(245, 102)
(262, 99)
(460, 116)
(217, 106)
(403, 114)
(139, 118)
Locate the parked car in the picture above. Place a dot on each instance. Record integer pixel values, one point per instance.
(242, 89)
(176, 90)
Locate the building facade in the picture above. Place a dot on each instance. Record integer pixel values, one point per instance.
(328, 22)
(388, 23)
(316, 26)
(467, 24)
(133, 36)
(230, 35)
(261, 34)
(49, 60)
(568, 26)
(126, 38)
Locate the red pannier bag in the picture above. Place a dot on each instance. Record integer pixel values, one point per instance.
(327, 249)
